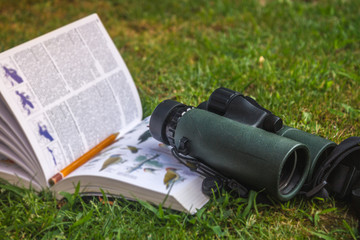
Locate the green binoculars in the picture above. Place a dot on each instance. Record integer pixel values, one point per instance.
(235, 136)
(233, 105)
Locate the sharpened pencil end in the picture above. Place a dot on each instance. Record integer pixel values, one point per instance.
(56, 178)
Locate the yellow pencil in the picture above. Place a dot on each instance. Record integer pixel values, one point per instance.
(83, 159)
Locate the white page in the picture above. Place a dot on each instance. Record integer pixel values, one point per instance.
(14, 174)
(142, 162)
(69, 89)
(136, 158)
(9, 154)
(10, 125)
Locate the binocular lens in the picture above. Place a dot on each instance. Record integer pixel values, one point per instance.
(292, 171)
(287, 172)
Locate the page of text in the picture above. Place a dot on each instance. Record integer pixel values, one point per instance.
(69, 89)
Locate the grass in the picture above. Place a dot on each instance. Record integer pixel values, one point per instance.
(28, 215)
(183, 50)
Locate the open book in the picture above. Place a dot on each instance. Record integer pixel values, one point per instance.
(62, 94)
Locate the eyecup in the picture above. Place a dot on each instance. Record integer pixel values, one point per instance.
(272, 123)
(160, 118)
(220, 99)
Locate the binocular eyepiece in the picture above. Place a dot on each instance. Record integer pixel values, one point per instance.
(231, 104)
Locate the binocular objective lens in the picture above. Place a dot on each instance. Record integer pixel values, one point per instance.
(287, 172)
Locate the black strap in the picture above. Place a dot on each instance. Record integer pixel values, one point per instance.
(214, 181)
(340, 172)
(355, 203)
(339, 175)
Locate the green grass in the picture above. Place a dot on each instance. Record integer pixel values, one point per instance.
(183, 50)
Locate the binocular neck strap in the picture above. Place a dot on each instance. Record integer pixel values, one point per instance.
(213, 181)
(340, 174)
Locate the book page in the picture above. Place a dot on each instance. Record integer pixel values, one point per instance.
(137, 158)
(69, 90)
(11, 139)
(15, 175)
(6, 153)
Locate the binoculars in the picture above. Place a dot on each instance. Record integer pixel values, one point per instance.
(233, 137)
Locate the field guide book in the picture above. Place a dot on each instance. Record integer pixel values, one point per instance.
(63, 93)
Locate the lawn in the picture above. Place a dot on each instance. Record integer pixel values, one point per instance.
(300, 59)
